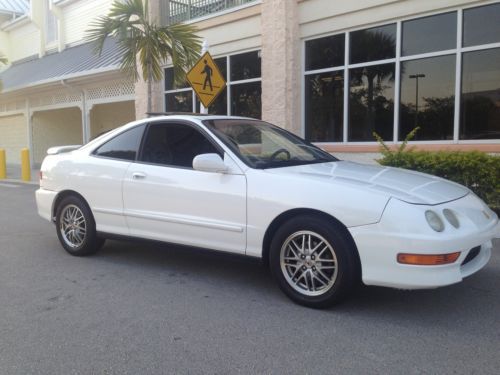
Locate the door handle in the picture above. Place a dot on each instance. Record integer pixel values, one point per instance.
(138, 175)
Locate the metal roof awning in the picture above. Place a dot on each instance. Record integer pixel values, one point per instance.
(17, 7)
(73, 62)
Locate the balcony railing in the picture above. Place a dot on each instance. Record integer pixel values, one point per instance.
(175, 11)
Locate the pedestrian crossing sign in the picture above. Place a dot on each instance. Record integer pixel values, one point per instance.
(206, 79)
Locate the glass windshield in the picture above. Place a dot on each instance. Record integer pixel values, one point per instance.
(261, 145)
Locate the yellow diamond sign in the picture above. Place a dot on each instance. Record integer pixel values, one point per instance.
(206, 80)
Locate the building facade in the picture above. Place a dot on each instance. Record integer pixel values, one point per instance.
(335, 72)
(55, 89)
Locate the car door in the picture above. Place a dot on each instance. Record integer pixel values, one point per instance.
(166, 199)
(99, 178)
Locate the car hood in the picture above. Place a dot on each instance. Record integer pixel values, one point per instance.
(409, 186)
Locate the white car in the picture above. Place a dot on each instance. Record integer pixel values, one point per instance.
(244, 186)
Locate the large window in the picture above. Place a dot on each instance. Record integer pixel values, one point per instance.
(241, 97)
(418, 72)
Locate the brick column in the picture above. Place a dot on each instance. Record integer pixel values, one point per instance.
(141, 88)
(281, 88)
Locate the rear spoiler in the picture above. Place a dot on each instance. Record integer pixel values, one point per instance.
(62, 149)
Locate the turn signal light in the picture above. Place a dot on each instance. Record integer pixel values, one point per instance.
(428, 259)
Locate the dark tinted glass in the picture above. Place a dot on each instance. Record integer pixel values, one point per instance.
(221, 63)
(371, 102)
(174, 145)
(428, 98)
(325, 52)
(179, 101)
(246, 100)
(169, 81)
(324, 100)
(430, 34)
(245, 66)
(480, 102)
(373, 44)
(124, 146)
(482, 25)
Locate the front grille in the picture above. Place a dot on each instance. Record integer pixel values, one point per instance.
(474, 252)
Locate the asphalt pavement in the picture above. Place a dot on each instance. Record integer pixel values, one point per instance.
(143, 308)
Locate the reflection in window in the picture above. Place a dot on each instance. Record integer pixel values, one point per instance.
(480, 101)
(245, 66)
(246, 100)
(124, 146)
(373, 44)
(371, 102)
(428, 98)
(179, 101)
(169, 80)
(325, 52)
(429, 34)
(324, 106)
(481, 25)
(221, 63)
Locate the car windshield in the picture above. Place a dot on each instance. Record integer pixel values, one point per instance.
(261, 145)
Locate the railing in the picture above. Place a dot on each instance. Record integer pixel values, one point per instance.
(175, 11)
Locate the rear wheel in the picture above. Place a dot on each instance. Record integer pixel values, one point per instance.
(313, 261)
(76, 227)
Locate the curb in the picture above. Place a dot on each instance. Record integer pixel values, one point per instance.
(11, 180)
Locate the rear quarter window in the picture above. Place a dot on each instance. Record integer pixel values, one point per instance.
(124, 146)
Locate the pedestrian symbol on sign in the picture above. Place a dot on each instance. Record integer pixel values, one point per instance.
(208, 78)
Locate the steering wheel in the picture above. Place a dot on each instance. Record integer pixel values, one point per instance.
(280, 151)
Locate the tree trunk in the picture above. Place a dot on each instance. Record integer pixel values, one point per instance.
(149, 79)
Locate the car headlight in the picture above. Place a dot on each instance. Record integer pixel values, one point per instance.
(451, 217)
(434, 221)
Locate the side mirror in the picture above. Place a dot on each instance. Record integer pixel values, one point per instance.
(209, 163)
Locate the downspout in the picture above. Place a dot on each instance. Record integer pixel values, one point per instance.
(85, 113)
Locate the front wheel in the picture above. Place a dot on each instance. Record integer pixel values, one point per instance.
(76, 227)
(313, 261)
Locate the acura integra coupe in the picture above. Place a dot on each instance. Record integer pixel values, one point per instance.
(244, 186)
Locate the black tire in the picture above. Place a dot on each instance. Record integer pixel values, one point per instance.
(75, 227)
(321, 278)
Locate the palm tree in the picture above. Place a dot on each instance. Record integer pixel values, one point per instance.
(4, 61)
(144, 43)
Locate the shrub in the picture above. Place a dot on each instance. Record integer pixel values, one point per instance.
(478, 171)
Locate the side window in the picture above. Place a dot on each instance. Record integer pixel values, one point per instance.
(124, 146)
(175, 145)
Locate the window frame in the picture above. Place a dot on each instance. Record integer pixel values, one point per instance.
(190, 124)
(397, 60)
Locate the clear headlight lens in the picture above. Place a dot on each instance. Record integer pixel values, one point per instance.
(451, 217)
(434, 221)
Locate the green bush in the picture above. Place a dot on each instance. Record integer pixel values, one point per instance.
(478, 171)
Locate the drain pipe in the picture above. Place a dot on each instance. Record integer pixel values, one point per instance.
(85, 115)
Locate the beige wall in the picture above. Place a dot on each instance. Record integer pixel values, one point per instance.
(13, 137)
(24, 42)
(55, 128)
(104, 117)
(78, 15)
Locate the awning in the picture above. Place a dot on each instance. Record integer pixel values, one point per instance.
(73, 62)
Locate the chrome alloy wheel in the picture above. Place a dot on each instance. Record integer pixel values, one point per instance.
(73, 226)
(308, 263)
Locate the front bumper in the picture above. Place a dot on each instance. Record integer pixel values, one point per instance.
(403, 229)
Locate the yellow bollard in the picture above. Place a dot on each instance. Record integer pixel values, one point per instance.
(3, 164)
(25, 165)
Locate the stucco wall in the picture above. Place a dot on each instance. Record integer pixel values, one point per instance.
(55, 128)
(13, 137)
